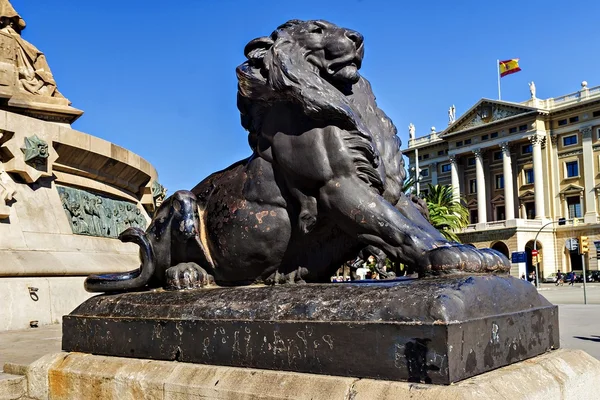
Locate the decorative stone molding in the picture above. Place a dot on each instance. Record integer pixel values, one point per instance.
(570, 153)
(30, 157)
(7, 192)
(505, 146)
(96, 215)
(478, 152)
(554, 139)
(536, 139)
(453, 158)
(586, 132)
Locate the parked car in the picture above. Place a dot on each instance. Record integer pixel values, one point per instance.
(550, 278)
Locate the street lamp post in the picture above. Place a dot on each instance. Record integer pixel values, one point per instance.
(561, 221)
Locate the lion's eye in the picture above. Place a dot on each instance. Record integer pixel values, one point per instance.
(316, 29)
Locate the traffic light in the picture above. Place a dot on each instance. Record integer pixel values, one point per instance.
(583, 245)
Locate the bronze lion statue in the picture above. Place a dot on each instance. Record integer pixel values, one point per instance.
(323, 182)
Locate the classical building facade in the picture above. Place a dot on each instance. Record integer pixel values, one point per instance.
(519, 167)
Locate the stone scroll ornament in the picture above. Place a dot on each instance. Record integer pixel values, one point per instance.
(95, 215)
(322, 185)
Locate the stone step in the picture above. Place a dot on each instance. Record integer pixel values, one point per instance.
(12, 387)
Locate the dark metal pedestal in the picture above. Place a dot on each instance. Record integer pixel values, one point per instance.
(429, 330)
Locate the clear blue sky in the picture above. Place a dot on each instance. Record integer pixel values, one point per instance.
(158, 77)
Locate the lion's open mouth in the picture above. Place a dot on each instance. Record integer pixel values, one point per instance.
(337, 65)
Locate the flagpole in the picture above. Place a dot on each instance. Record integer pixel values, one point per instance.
(498, 69)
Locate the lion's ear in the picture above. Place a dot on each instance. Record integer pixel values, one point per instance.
(257, 48)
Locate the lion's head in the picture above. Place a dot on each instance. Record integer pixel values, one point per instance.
(315, 64)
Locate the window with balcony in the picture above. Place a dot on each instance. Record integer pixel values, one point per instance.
(574, 205)
(500, 181)
(425, 156)
(500, 213)
(473, 216)
(571, 169)
(570, 140)
(530, 210)
(473, 186)
(528, 176)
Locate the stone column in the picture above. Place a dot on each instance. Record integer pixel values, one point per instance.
(454, 173)
(509, 196)
(480, 175)
(433, 168)
(538, 175)
(588, 168)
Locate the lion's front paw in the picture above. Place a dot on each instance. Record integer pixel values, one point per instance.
(187, 276)
(463, 258)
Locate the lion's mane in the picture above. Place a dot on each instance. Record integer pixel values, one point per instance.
(276, 71)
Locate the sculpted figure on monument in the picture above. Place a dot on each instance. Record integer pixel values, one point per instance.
(34, 73)
(323, 182)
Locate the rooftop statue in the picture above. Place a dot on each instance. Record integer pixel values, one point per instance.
(323, 182)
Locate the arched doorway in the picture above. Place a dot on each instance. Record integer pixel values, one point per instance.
(530, 265)
(502, 248)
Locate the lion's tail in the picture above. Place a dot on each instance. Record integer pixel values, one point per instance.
(135, 279)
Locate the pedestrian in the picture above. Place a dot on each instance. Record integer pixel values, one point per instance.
(572, 280)
(523, 277)
(559, 278)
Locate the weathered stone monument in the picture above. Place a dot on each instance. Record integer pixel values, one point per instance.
(64, 195)
(321, 186)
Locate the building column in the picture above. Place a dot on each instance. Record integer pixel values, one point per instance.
(480, 175)
(538, 175)
(509, 196)
(433, 168)
(454, 173)
(590, 215)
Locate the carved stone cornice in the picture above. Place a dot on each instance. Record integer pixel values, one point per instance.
(478, 152)
(554, 139)
(453, 158)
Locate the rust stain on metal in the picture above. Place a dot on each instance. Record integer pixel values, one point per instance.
(261, 215)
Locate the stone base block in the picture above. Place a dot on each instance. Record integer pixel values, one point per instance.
(561, 374)
(431, 330)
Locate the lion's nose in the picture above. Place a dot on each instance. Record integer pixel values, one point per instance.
(355, 37)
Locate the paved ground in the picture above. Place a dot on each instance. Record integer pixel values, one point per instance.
(579, 327)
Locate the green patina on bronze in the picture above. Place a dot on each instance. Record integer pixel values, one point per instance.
(96, 215)
(35, 150)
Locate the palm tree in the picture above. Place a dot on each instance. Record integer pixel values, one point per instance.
(445, 214)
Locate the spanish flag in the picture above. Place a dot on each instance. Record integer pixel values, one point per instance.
(508, 67)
